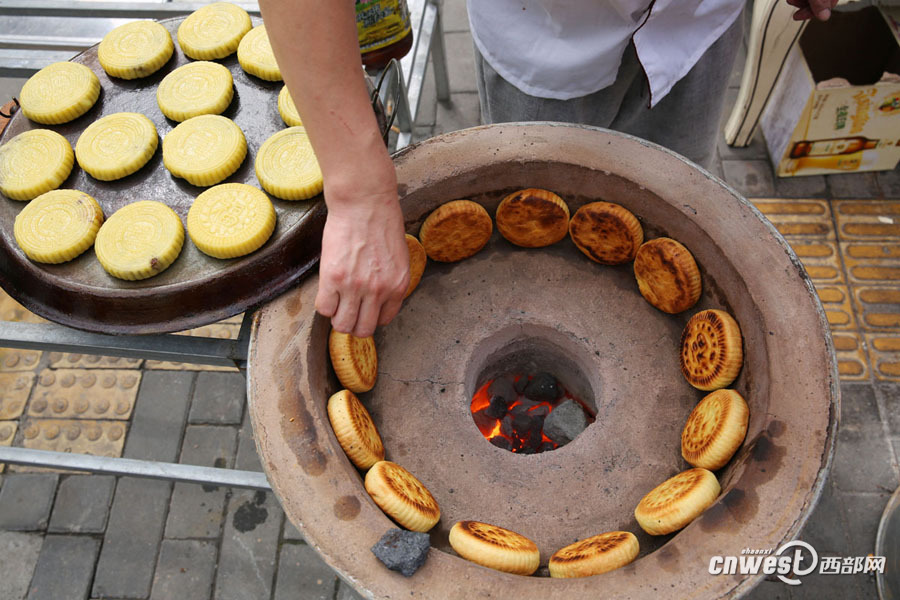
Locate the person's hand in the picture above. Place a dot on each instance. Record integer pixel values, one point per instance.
(364, 269)
(807, 9)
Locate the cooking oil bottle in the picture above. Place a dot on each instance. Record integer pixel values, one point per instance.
(384, 31)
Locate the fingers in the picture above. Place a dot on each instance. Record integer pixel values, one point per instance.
(368, 317)
(390, 309)
(808, 9)
(327, 300)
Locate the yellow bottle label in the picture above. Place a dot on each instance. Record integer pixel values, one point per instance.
(380, 23)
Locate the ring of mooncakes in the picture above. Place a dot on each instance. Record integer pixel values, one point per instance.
(213, 31)
(116, 145)
(715, 429)
(594, 555)
(606, 233)
(455, 231)
(711, 350)
(354, 429)
(533, 218)
(139, 240)
(204, 150)
(677, 501)
(135, 50)
(197, 88)
(495, 547)
(667, 275)
(401, 496)
(256, 57)
(34, 162)
(58, 226)
(59, 93)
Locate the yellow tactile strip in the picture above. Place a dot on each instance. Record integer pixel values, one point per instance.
(85, 394)
(58, 360)
(799, 219)
(100, 438)
(7, 433)
(15, 389)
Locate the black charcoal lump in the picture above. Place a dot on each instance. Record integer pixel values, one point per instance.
(503, 387)
(542, 388)
(402, 551)
(565, 422)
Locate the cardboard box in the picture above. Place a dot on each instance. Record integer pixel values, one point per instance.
(836, 105)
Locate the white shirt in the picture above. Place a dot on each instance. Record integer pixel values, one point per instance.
(565, 49)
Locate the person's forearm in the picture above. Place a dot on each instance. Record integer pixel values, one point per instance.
(316, 46)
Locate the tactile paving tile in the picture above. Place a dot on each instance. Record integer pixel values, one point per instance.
(803, 218)
(838, 309)
(223, 330)
(867, 219)
(100, 438)
(12, 359)
(884, 352)
(878, 307)
(10, 310)
(14, 391)
(85, 394)
(58, 360)
(851, 356)
(7, 433)
(820, 258)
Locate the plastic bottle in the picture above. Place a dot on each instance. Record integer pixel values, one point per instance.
(384, 31)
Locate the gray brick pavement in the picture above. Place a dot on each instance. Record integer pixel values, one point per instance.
(752, 178)
(26, 500)
(82, 504)
(862, 435)
(18, 557)
(196, 510)
(65, 568)
(159, 415)
(303, 574)
(185, 570)
(247, 459)
(853, 185)
(219, 398)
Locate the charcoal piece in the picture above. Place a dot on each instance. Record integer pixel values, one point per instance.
(484, 421)
(541, 411)
(546, 446)
(543, 388)
(503, 387)
(532, 440)
(527, 450)
(506, 426)
(524, 424)
(498, 407)
(403, 551)
(501, 442)
(565, 422)
(522, 407)
(521, 383)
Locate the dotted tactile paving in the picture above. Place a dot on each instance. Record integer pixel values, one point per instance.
(58, 360)
(14, 391)
(838, 308)
(223, 329)
(851, 355)
(821, 260)
(867, 219)
(85, 394)
(7, 433)
(800, 218)
(100, 438)
(884, 353)
(10, 310)
(13, 360)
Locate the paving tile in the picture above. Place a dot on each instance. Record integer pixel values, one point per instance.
(460, 61)
(185, 570)
(863, 513)
(889, 183)
(60, 360)
(878, 307)
(755, 150)
(132, 537)
(249, 545)
(811, 186)
(7, 434)
(19, 552)
(802, 222)
(228, 329)
(85, 394)
(82, 504)
(159, 415)
(247, 459)
(454, 15)
(821, 259)
(770, 590)
(752, 178)
(197, 511)
(14, 391)
(65, 568)
(291, 533)
(25, 501)
(12, 360)
(890, 397)
(219, 398)
(844, 587)
(849, 348)
(868, 220)
(461, 112)
(826, 529)
(884, 355)
(346, 592)
(863, 458)
(11, 310)
(303, 574)
(853, 185)
(79, 436)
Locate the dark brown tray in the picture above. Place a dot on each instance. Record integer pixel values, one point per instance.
(196, 289)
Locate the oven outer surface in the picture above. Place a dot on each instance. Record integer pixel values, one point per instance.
(431, 358)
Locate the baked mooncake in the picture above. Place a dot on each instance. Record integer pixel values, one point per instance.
(34, 162)
(57, 226)
(139, 240)
(495, 547)
(606, 233)
(286, 166)
(204, 150)
(677, 501)
(213, 31)
(533, 218)
(116, 145)
(402, 497)
(135, 50)
(230, 220)
(197, 88)
(455, 231)
(59, 93)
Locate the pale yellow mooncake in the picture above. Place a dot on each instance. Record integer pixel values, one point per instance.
(204, 150)
(197, 88)
(59, 93)
(139, 240)
(135, 49)
(116, 145)
(256, 57)
(287, 109)
(34, 162)
(57, 226)
(213, 31)
(286, 166)
(230, 220)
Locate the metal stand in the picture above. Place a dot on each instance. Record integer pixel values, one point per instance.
(887, 544)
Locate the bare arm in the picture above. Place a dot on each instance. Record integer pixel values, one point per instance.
(364, 268)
